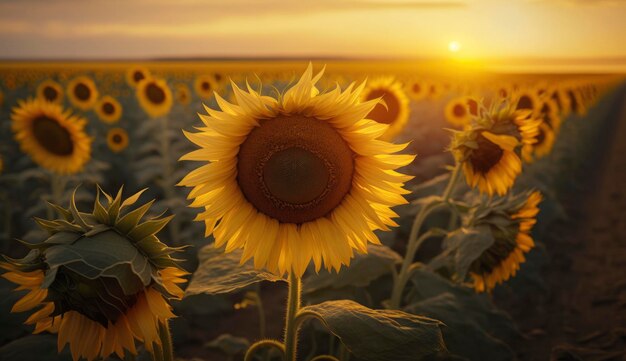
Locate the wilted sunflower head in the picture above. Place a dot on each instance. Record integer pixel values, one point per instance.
(299, 178)
(109, 110)
(50, 91)
(393, 109)
(54, 138)
(509, 221)
(117, 139)
(82, 92)
(136, 74)
(489, 149)
(205, 85)
(100, 278)
(155, 96)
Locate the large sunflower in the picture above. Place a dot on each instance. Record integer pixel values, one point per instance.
(509, 221)
(527, 99)
(394, 108)
(299, 178)
(50, 91)
(101, 280)
(54, 138)
(205, 85)
(117, 139)
(136, 74)
(488, 151)
(109, 110)
(155, 97)
(82, 92)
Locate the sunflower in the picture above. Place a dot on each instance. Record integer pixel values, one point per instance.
(550, 114)
(205, 85)
(503, 92)
(182, 94)
(109, 110)
(299, 178)
(54, 138)
(117, 139)
(576, 102)
(155, 97)
(82, 92)
(394, 108)
(434, 91)
(459, 111)
(543, 145)
(527, 100)
(100, 280)
(50, 91)
(561, 100)
(416, 90)
(136, 74)
(509, 221)
(488, 150)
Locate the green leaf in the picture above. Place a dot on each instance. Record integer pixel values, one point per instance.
(364, 268)
(380, 335)
(220, 272)
(126, 223)
(98, 209)
(76, 214)
(229, 344)
(476, 329)
(461, 248)
(132, 199)
(148, 228)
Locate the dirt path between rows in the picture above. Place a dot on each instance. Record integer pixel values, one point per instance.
(584, 315)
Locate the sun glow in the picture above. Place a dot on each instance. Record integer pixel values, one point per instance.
(454, 46)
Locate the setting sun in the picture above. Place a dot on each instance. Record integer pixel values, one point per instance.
(454, 46)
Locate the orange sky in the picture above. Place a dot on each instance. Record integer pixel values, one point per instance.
(312, 28)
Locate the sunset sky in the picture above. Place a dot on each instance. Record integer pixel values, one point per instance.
(110, 29)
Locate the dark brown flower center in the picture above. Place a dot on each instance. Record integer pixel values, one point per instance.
(108, 108)
(294, 168)
(417, 88)
(155, 93)
(458, 110)
(573, 100)
(525, 102)
(50, 93)
(82, 92)
(218, 77)
(503, 93)
(52, 136)
(138, 76)
(380, 113)
(205, 86)
(116, 138)
(486, 156)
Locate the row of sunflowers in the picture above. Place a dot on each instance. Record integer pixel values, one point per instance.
(302, 180)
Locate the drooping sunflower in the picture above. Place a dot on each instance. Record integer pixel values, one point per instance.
(543, 145)
(109, 110)
(204, 86)
(489, 149)
(55, 139)
(509, 221)
(50, 91)
(394, 108)
(101, 280)
(459, 111)
(117, 139)
(155, 96)
(182, 94)
(136, 74)
(299, 178)
(82, 92)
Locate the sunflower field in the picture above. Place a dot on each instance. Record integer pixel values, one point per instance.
(287, 210)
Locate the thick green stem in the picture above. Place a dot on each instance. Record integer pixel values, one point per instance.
(415, 240)
(291, 327)
(168, 184)
(166, 341)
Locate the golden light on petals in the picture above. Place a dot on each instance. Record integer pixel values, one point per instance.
(82, 92)
(109, 110)
(117, 139)
(50, 91)
(154, 96)
(394, 107)
(299, 179)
